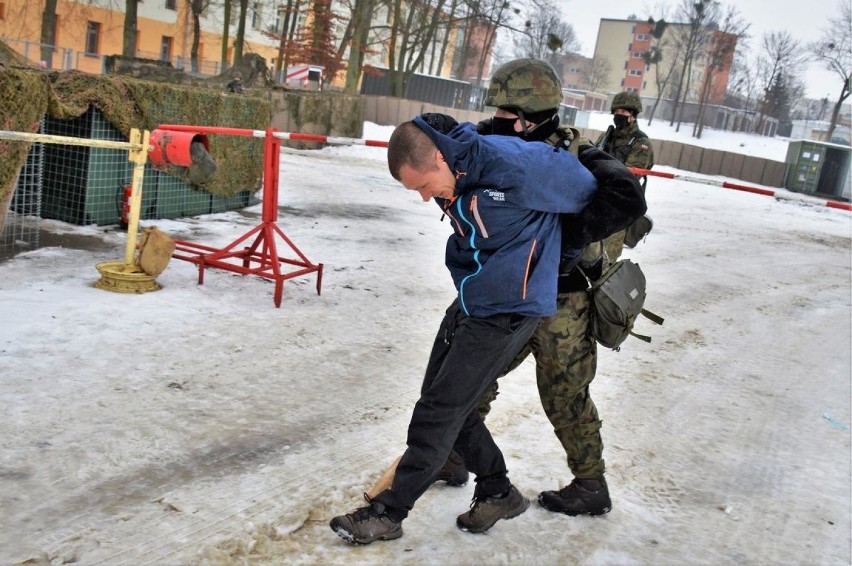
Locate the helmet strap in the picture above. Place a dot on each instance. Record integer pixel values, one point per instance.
(542, 130)
(523, 122)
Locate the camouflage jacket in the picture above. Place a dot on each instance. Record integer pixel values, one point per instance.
(631, 146)
(617, 203)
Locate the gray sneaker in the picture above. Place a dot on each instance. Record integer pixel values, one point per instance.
(366, 525)
(485, 511)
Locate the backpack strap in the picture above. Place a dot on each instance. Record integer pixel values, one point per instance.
(641, 337)
(655, 318)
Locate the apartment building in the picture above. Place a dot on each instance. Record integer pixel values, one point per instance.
(624, 43)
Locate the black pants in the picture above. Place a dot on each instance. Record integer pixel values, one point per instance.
(468, 355)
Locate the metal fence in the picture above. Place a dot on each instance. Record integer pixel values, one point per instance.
(67, 59)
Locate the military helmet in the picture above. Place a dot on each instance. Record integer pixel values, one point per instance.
(628, 100)
(529, 85)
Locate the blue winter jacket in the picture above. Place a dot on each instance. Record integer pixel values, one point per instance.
(504, 252)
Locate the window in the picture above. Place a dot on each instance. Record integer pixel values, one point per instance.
(171, 4)
(166, 49)
(625, 65)
(256, 15)
(635, 73)
(638, 55)
(629, 47)
(93, 37)
(2, 11)
(644, 85)
(642, 37)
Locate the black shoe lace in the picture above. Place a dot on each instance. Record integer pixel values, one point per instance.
(363, 514)
(475, 501)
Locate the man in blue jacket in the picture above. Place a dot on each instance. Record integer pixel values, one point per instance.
(504, 198)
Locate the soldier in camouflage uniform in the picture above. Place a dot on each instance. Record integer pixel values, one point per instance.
(630, 145)
(527, 94)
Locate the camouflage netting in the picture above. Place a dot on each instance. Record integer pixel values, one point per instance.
(28, 94)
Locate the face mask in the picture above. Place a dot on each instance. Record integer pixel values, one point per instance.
(620, 121)
(504, 127)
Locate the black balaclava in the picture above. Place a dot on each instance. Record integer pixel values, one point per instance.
(620, 121)
(546, 122)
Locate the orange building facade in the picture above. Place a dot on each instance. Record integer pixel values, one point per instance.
(85, 32)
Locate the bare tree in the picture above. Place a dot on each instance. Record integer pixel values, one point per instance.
(410, 38)
(743, 81)
(654, 56)
(128, 46)
(545, 35)
(834, 49)
(482, 19)
(360, 24)
(690, 42)
(289, 36)
(226, 32)
(48, 32)
(719, 58)
(241, 32)
(599, 73)
(448, 27)
(196, 7)
(781, 57)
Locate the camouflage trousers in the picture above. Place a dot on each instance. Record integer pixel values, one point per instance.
(566, 359)
(614, 245)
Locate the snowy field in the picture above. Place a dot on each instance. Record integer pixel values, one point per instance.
(201, 425)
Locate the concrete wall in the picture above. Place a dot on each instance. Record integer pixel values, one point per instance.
(344, 115)
(387, 111)
(328, 114)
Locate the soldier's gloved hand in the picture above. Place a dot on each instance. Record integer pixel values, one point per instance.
(588, 153)
(485, 127)
(440, 122)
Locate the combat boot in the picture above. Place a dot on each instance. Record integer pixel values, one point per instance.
(485, 511)
(580, 497)
(366, 525)
(453, 472)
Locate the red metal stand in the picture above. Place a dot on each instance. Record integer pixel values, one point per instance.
(261, 257)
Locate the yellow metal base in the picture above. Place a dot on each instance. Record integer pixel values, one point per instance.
(119, 277)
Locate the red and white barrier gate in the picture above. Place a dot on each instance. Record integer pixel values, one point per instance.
(724, 184)
(261, 256)
(745, 188)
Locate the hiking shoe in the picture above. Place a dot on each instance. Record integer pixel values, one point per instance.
(453, 472)
(580, 497)
(485, 511)
(366, 525)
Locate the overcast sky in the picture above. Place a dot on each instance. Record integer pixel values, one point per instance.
(805, 20)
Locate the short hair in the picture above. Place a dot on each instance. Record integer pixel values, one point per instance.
(410, 145)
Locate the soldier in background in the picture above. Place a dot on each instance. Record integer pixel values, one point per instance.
(235, 86)
(630, 145)
(527, 94)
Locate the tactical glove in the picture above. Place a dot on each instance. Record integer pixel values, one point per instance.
(440, 122)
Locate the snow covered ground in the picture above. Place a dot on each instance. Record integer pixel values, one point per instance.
(199, 424)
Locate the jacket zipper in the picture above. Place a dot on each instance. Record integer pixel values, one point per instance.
(474, 209)
(529, 266)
